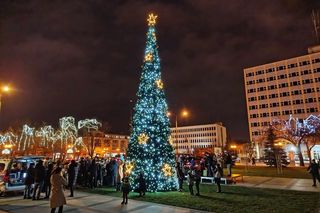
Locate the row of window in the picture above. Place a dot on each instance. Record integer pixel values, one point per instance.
(205, 134)
(197, 140)
(284, 112)
(283, 76)
(282, 67)
(283, 94)
(173, 130)
(195, 146)
(283, 103)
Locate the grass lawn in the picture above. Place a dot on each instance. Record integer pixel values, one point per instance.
(288, 172)
(232, 199)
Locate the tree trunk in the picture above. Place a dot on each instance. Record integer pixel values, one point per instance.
(309, 152)
(300, 154)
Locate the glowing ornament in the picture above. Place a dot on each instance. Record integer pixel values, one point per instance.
(148, 57)
(159, 84)
(129, 168)
(167, 170)
(171, 140)
(152, 19)
(143, 138)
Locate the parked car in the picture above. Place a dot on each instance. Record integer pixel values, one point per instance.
(13, 172)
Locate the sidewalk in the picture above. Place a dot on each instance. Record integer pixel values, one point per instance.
(88, 203)
(279, 183)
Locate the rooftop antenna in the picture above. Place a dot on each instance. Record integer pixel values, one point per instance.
(315, 16)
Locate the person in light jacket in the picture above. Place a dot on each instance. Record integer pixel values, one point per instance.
(57, 196)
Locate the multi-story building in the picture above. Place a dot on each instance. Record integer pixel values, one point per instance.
(187, 139)
(280, 89)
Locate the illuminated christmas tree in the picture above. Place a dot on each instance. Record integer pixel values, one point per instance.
(149, 148)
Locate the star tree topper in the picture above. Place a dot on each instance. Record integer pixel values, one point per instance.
(152, 19)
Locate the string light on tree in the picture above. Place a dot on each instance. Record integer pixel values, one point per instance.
(129, 167)
(143, 138)
(150, 118)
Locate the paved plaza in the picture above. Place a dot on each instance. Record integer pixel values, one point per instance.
(279, 183)
(88, 203)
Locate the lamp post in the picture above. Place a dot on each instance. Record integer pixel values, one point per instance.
(4, 89)
(184, 114)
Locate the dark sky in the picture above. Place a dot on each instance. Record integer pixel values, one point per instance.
(83, 57)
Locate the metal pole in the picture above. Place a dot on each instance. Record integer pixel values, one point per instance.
(176, 135)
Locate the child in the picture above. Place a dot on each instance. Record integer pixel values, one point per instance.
(190, 180)
(125, 190)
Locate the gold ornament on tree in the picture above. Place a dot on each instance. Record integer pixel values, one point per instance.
(129, 168)
(143, 138)
(167, 170)
(159, 84)
(148, 57)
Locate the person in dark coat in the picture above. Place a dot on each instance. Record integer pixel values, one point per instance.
(47, 183)
(229, 163)
(71, 176)
(314, 171)
(142, 185)
(93, 174)
(29, 181)
(126, 188)
(190, 181)
(39, 176)
(197, 177)
(180, 176)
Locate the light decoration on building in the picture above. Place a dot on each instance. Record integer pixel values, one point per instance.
(150, 117)
(167, 170)
(159, 84)
(26, 138)
(143, 138)
(46, 133)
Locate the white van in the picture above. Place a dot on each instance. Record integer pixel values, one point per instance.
(13, 172)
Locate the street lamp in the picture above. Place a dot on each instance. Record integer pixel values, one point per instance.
(184, 113)
(4, 89)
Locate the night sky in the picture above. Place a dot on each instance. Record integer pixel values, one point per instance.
(83, 57)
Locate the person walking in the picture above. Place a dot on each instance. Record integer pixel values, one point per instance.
(57, 196)
(218, 173)
(29, 181)
(126, 188)
(180, 176)
(71, 176)
(314, 171)
(39, 176)
(190, 180)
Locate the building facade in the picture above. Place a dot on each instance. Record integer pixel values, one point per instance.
(187, 139)
(280, 89)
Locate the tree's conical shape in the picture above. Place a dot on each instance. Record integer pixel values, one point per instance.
(149, 148)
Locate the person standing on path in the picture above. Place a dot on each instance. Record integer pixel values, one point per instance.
(218, 173)
(197, 176)
(126, 188)
(229, 163)
(180, 176)
(190, 180)
(314, 171)
(29, 181)
(57, 196)
(71, 176)
(39, 176)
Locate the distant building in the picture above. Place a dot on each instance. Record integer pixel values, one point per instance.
(187, 139)
(280, 89)
(108, 145)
